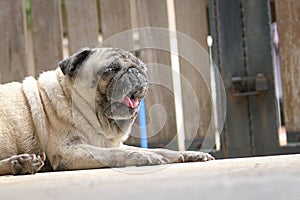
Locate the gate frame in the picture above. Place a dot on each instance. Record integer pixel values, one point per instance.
(242, 48)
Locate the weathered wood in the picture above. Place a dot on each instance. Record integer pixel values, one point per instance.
(288, 16)
(237, 139)
(82, 22)
(155, 15)
(195, 13)
(13, 40)
(262, 109)
(115, 17)
(47, 34)
(99, 16)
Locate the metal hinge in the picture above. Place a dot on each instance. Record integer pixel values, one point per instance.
(246, 86)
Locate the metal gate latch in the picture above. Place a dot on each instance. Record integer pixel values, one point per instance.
(246, 86)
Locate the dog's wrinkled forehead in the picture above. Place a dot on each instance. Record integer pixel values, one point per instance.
(99, 57)
(122, 57)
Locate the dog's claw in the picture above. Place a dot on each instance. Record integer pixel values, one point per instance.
(190, 156)
(42, 156)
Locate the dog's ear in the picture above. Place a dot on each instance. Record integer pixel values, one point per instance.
(72, 64)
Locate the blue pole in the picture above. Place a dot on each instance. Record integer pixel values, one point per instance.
(143, 125)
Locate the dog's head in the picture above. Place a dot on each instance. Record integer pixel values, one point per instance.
(112, 81)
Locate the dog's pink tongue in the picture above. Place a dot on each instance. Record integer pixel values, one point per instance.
(132, 103)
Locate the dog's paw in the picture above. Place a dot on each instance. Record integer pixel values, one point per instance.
(26, 163)
(144, 159)
(196, 156)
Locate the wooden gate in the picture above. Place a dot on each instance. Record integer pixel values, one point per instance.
(242, 31)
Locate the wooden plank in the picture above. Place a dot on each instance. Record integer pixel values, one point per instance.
(155, 15)
(288, 16)
(13, 40)
(47, 34)
(237, 140)
(263, 113)
(4, 40)
(82, 22)
(115, 17)
(99, 16)
(197, 29)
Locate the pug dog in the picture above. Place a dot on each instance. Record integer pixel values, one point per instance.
(78, 116)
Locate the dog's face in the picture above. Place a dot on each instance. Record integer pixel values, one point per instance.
(113, 81)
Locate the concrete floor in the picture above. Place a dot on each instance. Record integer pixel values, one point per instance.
(275, 177)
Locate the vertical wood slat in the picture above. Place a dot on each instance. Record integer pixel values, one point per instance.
(13, 40)
(115, 17)
(195, 13)
(99, 16)
(288, 20)
(262, 110)
(237, 140)
(47, 34)
(82, 22)
(155, 15)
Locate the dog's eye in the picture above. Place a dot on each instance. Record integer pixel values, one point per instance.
(110, 69)
(107, 71)
(114, 67)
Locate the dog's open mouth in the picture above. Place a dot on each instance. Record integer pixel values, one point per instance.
(130, 102)
(124, 94)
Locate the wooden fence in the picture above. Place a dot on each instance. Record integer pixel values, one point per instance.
(288, 19)
(35, 35)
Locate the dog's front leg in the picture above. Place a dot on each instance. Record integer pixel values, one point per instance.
(91, 157)
(175, 156)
